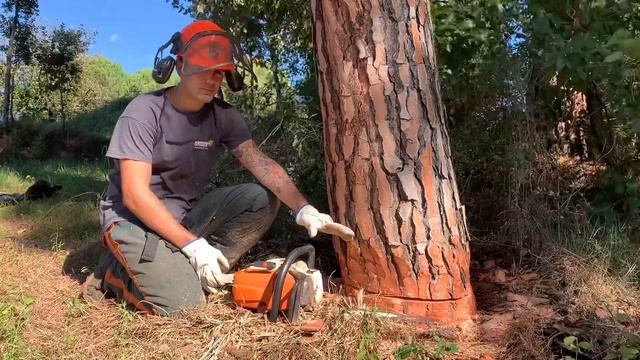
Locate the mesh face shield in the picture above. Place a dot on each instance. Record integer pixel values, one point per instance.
(209, 50)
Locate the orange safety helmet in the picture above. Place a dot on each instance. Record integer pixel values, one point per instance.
(202, 45)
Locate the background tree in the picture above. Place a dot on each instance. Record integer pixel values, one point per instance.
(388, 163)
(59, 63)
(17, 26)
(584, 49)
(141, 82)
(474, 43)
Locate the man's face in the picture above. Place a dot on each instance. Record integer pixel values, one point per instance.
(202, 86)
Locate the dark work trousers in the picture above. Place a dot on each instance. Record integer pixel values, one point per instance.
(155, 277)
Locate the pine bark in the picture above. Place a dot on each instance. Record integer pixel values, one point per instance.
(388, 164)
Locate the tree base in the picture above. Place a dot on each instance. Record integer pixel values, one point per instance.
(445, 311)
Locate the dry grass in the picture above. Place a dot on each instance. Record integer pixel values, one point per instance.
(61, 326)
(44, 253)
(47, 247)
(587, 301)
(525, 340)
(590, 289)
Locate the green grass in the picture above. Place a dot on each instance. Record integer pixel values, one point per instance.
(11, 181)
(15, 311)
(68, 219)
(74, 176)
(76, 309)
(370, 328)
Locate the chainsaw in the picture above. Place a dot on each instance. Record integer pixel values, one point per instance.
(283, 285)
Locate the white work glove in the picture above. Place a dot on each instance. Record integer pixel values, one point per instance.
(312, 219)
(206, 260)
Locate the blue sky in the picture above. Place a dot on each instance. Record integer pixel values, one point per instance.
(128, 31)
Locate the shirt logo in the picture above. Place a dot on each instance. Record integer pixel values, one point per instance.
(203, 145)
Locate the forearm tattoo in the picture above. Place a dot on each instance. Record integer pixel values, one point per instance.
(266, 170)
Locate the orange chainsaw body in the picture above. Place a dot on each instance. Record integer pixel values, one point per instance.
(253, 288)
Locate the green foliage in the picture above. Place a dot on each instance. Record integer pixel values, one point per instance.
(572, 344)
(11, 181)
(622, 345)
(141, 83)
(77, 308)
(265, 28)
(57, 54)
(617, 197)
(102, 81)
(576, 39)
(126, 319)
(472, 39)
(35, 140)
(75, 177)
(17, 24)
(624, 353)
(97, 124)
(419, 351)
(370, 326)
(94, 105)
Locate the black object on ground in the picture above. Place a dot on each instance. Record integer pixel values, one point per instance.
(39, 190)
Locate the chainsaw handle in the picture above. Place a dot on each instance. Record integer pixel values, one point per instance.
(293, 256)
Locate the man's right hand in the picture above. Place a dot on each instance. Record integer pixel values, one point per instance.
(207, 262)
(312, 219)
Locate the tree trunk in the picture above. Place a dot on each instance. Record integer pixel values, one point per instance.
(6, 116)
(275, 69)
(570, 133)
(602, 139)
(389, 172)
(12, 119)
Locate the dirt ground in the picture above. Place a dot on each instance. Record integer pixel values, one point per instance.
(527, 308)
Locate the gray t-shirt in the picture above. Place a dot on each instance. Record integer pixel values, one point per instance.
(182, 149)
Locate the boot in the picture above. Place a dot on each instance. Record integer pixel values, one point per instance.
(93, 289)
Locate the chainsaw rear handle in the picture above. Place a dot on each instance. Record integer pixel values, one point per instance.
(293, 256)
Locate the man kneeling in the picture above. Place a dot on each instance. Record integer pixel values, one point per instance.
(162, 247)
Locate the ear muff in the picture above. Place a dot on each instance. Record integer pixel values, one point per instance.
(163, 66)
(162, 69)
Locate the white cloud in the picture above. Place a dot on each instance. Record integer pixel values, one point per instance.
(113, 37)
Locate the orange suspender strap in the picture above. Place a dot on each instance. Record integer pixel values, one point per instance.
(140, 304)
